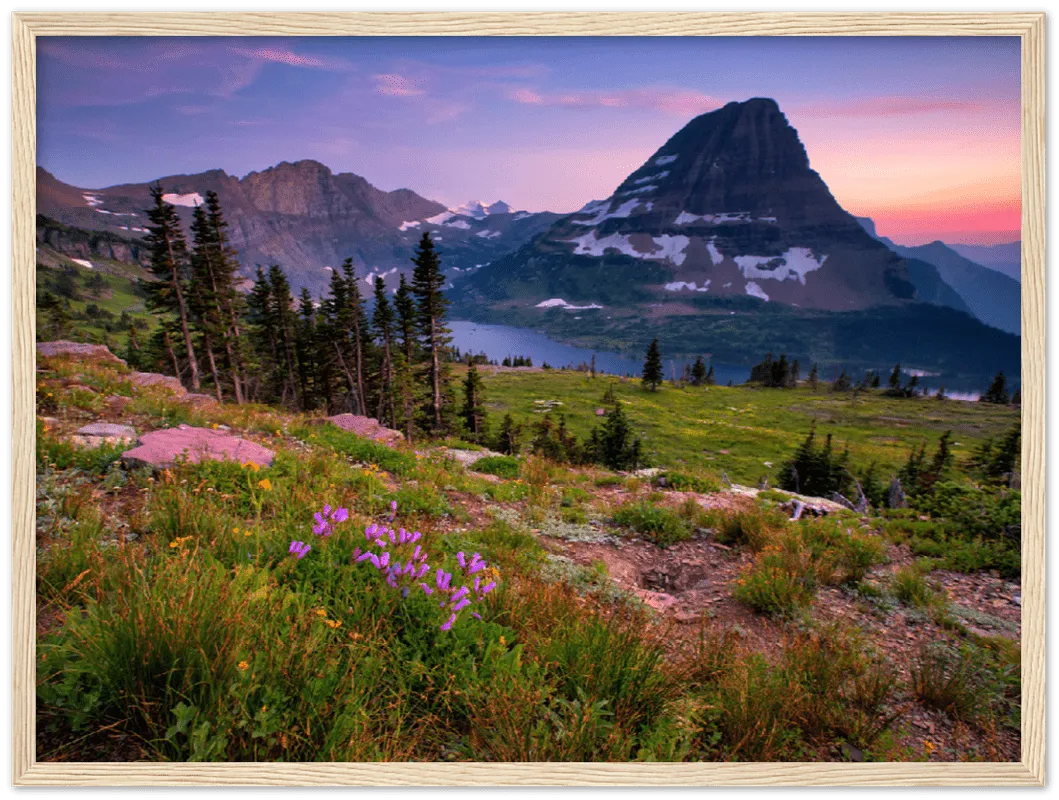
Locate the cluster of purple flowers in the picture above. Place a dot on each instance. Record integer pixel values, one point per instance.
(327, 519)
(415, 567)
(299, 549)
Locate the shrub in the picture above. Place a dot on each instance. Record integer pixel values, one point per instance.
(501, 466)
(780, 581)
(658, 523)
(682, 482)
(911, 588)
(755, 528)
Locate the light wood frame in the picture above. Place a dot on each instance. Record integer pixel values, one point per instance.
(27, 25)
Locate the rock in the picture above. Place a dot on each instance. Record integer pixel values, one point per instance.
(466, 457)
(79, 349)
(199, 400)
(686, 617)
(367, 428)
(157, 379)
(1017, 600)
(659, 601)
(896, 495)
(117, 403)
(647, 472)
(100, 433)
(163, 448)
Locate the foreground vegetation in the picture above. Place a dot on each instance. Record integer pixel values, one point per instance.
(177, 623)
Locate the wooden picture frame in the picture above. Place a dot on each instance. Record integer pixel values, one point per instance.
(1029, 27)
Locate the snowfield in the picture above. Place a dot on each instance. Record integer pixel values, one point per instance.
(409, 224)
(797, 263)
(83, 263)
(677, 286)
(558, 302)
(187, 200)
(661, 161)
(647, 178)
(665, 247)
(599, 208)
(754, 290)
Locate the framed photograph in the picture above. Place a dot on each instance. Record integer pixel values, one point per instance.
(528, 399)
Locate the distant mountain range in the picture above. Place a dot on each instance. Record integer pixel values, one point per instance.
(306, 219)
(1005, 258)
(989, 295)
(724, 242)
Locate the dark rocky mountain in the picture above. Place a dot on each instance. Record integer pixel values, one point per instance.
(306, 219)
(992, 297)
(727, 228)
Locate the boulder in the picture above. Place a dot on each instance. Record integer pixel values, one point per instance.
(157, 379)
(367, 428)
(199, 400)
(78, 349)
(101, 433)
(163, 448)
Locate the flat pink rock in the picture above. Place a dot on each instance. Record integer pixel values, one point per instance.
(163, 448)
(367, 428)
(79, 349)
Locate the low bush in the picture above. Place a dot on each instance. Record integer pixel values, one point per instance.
(501, 466)
(658, 523)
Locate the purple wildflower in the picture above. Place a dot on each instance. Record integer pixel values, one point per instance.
(299, 549)
(426, 589)
(448, 624)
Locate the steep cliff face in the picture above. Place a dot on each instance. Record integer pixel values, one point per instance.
(728, 206)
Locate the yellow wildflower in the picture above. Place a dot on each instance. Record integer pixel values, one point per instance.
(244, 666)
(332, 623)
(265, 484)
(928, 746)
(320, 612)
(250, 465)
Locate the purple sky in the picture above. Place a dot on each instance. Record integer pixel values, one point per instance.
(920, 133)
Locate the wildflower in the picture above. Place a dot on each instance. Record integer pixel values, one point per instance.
(448, 624)
(327, 519)
(321, 612)
(332, 623)
(299, 549)
(928, 746)
(250, 465)
(265, 484)
(244, 666)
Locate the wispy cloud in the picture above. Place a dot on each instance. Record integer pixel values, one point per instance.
(394, 85)
(679, 102)
(293, 59)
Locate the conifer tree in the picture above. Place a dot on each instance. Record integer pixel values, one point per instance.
(614, 444)
(895, 379)
(230, 305)
(814, 378)
(382, 320)
(204, 295)
(355, 324)
(997, 393)
(169, 264)
(652, 367)
(507, 440)
(306, 341)
(473, 411)
(698, 372)
(283, 320)
(710, 380)
(427, 284)
(404, 360)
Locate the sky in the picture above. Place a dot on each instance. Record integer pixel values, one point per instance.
(921, 134)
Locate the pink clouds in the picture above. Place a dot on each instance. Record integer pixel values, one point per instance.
(292, 59)
(394, 85)
(679, 102)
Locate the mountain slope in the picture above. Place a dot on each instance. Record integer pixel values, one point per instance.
(727, 229)
(992, 297)
(305, 218)
(1004, 258)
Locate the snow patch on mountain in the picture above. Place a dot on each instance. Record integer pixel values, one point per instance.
(716, 256)
(656, 177)
(686, 218)
(599, 208)
(488, 234)
(83, 263)
(187, 200)
(409, 224)
(661, 161)
(677, 286)
(641, 190)
(92, 199)
(794, 264)
(754, 290)
(522, 215)
(558, 302)
(671, 247)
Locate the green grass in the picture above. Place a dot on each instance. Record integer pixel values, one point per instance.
(501, 466)
(657, 523)
(687, 429)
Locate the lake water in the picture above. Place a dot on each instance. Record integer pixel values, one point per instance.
(500, 341)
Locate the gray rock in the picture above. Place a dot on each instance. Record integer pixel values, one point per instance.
(367, 428)
(77, 349)
(100, 433)
(146, 379)
(163, 448)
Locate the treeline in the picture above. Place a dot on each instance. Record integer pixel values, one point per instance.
(266, 346)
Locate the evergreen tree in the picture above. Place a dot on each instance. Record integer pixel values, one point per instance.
(941, 392)
(710, 380)
(614, 444)
(698, 372)
(795, 376)
(355, 327)
(507, 440)
(592, 367)
(283, 320)
(382, 321)
(814, 378)
(427, 284)
(473, 412)
(1016, 398)
(652, 367)
(306, 341)
(997, 393)
(405, 359)
(894, 383)
(169, 264)
(204, 291)
(842, 383)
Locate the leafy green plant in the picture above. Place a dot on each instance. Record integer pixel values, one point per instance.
(658, 523)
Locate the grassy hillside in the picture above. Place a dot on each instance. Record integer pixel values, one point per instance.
(626, 620)
(748, 431)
